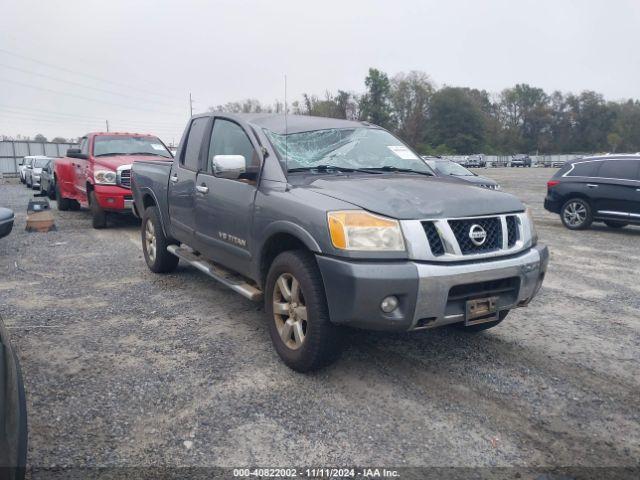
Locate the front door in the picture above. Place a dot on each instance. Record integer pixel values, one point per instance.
(618, 190)
(224, 206)
(182, 181)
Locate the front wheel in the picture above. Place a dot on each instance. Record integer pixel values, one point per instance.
(576, 214)
(98, 215)
(297, 312)
(155, 243)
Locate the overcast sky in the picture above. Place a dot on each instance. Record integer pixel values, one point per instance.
(135, 62)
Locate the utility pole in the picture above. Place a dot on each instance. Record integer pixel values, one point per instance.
(190, 104)
(107, 122)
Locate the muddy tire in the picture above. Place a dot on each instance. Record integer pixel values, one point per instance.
(98, 215)
(297, 313)
(64, 204)
(155, 243)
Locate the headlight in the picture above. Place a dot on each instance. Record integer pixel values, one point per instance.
(532, 227)
(359, 230)
(104, 177)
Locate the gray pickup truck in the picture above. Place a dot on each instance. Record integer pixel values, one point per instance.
(331, 223)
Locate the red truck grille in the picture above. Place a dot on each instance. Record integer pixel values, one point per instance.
(125, 178)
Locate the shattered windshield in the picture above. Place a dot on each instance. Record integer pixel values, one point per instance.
(352, 148)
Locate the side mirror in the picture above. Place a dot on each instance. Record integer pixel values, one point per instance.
(76, 153)
(229, 166)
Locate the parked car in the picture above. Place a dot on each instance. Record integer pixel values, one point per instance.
(475, 161)
(447, 167)
(34, 170)
(22, 168)
(334, 222)
(48, 180)
(596, 189)
(98, 174)
(6, 221)
(521, 161)
(13, 412)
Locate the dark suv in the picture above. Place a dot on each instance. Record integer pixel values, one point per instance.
(601, 189)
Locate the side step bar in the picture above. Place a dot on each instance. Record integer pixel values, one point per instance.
(233, 281)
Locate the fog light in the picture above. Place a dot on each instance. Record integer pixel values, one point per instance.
(111, 200)
(389, 304)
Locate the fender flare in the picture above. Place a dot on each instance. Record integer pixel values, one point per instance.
(285, 226)
(144, 191)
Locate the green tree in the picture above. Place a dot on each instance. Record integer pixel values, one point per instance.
(375, 105)
(410, 96)
(40, 138)
(59, 140)
(457, 121)
(526, 118)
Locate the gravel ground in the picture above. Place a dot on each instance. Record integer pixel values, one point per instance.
(124, 367)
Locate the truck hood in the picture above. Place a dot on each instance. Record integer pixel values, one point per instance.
(114, 162)
(415, 197)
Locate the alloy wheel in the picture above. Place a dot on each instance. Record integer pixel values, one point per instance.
(575, 214)
(150, 240)
(290, 311)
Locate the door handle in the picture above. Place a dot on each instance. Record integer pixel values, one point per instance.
(592, 185)
(174, 178)
(202, 189)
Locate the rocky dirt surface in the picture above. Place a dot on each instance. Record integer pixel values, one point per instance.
(124, 367)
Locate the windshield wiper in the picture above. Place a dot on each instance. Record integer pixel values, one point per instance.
(328, 168)
(148, 153)
(112, 154)
(389, 168)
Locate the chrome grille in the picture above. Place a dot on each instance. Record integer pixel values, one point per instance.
(124, 179)
(512, 230)
(435, 242)
(491, 225)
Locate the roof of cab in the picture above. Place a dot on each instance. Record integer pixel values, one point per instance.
(279, 124)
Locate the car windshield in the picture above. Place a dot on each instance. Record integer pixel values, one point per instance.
(40, 162)
(105, 145)
(452, 168)
(346, 148)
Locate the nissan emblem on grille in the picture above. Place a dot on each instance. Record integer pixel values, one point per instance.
(477, 234)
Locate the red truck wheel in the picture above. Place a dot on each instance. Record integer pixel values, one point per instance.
(99, 216)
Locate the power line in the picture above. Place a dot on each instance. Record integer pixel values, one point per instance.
(64, 116)
(82, 97)
(110, 92)
(49, 65)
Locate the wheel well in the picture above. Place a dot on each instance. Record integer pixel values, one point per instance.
(582, 196)
(274, 246)
(148, 201)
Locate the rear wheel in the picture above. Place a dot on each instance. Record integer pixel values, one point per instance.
(64, 204)
(297, 312)
(615, 224)
(98, 215)
(576, 214)
(155, 243)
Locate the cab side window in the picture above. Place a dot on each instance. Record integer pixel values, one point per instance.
(620, 169)
(191, 153)
(228, 138)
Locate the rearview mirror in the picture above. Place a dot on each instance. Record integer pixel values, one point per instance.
(229, 166)
(76, 153)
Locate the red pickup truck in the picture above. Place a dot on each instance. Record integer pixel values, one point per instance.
(98, 174)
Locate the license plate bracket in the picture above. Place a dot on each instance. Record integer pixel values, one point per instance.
(481, 310)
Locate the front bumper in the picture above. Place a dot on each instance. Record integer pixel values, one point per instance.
(6, 226)
(429, 294)
(114, 198)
